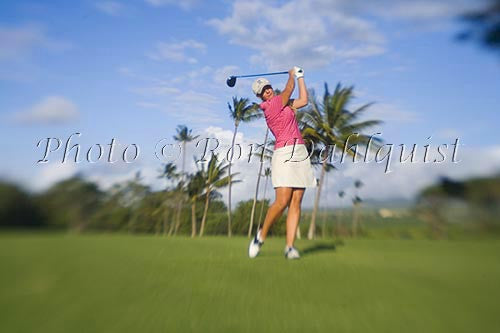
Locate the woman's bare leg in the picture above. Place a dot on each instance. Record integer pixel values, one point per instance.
(292, 219)
(283, 196)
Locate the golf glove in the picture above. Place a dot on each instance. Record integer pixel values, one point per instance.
(299, 72)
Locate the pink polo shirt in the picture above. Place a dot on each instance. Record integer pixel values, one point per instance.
(282, 122)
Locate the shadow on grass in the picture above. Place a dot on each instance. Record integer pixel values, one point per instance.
(322, 247)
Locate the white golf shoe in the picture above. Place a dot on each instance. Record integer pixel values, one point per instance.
(291, 253)
(255, 245)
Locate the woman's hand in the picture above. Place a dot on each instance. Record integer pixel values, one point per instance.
(298, 71)
(303, 97)
(291, 72)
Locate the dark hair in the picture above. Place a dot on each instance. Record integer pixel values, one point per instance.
(264, 89)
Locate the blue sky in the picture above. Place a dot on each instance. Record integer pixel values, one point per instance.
(134, 70)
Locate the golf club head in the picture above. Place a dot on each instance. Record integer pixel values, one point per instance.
(231, 81)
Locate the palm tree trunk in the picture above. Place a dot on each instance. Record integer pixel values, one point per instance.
(172, 225)
(205, 211)
(180, 202)
(312, 226)
(165, 222)
(130, 223)
(336, 231)
(325, 209)
(262, 204)
(183, 161)
(193, 218)
(355, 220)
(178, 216)
(323, 226)
(230, 181)
(252, 214)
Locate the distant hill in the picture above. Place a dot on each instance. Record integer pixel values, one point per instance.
(474, 201)
(484, 191)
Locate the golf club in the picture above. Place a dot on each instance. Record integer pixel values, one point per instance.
(231, 81)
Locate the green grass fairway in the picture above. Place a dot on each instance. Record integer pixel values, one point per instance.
(110, 283)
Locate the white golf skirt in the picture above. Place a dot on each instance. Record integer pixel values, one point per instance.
(291, 167)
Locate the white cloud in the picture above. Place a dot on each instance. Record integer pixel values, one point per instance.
(177, 52)
(199, 72)
(107, 174)
(195, 79)
(192, 97)
(130, 73)
(407, 179)
(159, 90)
(46, 175)
(197, 102)
(317, 33)
(103, 174)
(184, 4)
(50, 110)
(421, 10)
(112, 8)
(391, 113)
(448, 134)
(20, 41)
(148, 105)
(195, 107)
(221, 74)
(299, 32)
(247, 171)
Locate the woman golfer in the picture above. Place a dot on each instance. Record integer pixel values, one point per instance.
(291, 170)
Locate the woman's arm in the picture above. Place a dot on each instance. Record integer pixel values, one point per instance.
(290, 85)
(303, 98)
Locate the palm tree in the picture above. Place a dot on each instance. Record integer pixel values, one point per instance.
(166, 209)
(356, 201)
(213, 178)
(325, 209)
(240, 111)
(330, 123)
(170, 173)
(194, 188)
(133, 193)
(484, 25)
(266, 154)
(183, 136)
(267, 174)
(341, 195)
